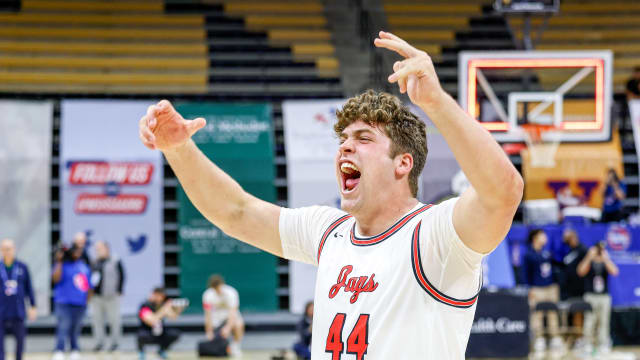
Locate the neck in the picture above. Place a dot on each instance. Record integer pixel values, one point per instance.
(8, 261)
(383, 216)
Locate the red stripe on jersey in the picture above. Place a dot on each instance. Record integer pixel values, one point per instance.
(390, 231)
(425, 284)
(328, 232)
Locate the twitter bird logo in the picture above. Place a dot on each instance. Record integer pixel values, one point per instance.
(137, 244)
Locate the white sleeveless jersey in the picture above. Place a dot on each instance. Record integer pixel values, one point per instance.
(407, 293)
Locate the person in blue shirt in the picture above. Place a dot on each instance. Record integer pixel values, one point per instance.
(538, 273)
(303, 346)
(15, 288)
(614, 194)
(71, 293)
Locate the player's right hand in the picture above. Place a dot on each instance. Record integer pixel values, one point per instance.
(163, 128)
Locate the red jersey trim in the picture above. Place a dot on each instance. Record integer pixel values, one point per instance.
(328, 232)
(387, 233)
(416, 262)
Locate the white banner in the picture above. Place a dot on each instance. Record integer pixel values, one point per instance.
(25, 162)
(111, 188)
(311, 148)
(634, 109)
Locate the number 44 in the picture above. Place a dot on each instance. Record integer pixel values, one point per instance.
(357, 342)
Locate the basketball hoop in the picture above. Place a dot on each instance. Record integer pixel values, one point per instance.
(542, 141)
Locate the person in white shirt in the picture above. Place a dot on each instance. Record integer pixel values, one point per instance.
(397, 279)
(221, 315)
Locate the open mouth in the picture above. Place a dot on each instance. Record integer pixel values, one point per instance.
(350, 176)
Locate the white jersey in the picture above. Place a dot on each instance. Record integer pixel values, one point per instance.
(407, 293)
(220, 304)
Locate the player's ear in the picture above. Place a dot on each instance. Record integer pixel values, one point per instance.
(404, 164)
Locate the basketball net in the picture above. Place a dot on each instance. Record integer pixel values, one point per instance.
(542, 142)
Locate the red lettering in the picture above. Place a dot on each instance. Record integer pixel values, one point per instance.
(355, 285)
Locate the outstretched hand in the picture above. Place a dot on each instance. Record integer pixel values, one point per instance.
(163, 128)
(415, 74)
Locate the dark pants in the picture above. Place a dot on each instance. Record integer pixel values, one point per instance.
(17, 328)
(302, 350)
(69, 324)
(168, 337)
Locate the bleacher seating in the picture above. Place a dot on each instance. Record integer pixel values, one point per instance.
(233, 50)
(102, 47)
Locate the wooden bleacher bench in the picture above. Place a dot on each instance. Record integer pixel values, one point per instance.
(94, 48)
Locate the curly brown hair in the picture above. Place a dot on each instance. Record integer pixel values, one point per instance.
(408, 134)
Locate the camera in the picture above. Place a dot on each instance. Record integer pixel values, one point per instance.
(180, 303)
(67, 251)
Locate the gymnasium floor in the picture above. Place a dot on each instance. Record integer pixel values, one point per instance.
(255, 347)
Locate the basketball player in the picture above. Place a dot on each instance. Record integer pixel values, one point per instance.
(396, 279)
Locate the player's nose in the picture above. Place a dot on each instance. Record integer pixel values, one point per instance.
(347, 146)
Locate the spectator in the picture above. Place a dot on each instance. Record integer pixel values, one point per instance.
(71, 293)
(221, 315)
(152, 327)
(538, 274)
(303, 346)
(107, 278)
(573, 284)
(633, 85)
(614, 193)
(595, 268)
(14, 289)
(80, 241)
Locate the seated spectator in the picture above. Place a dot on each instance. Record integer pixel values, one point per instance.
(221, 313)
(596, 267)
(70, 293)
(303, 346)
(633, 85)
(152, 328)
(538, 274)
(614, 194)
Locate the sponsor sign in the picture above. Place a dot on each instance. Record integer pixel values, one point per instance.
(238, 138)
(111, 189)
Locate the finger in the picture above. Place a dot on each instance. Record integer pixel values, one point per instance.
(147, 144)
(194, 125)
(388, 35)
(397, 66)
(150, 119)
(393, 45)
(409, 68)
(411, 81)
(402, 84)
(147, 134)
(164, 106)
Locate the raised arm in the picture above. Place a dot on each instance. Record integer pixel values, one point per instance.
(483, 215)
(214, 193)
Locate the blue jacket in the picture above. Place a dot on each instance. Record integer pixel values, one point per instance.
(12, 298)
(537, 268)
(74, 285)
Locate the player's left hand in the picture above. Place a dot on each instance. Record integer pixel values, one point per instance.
(415, 74)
